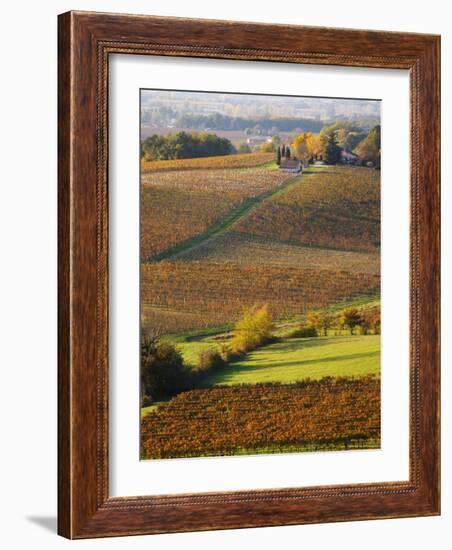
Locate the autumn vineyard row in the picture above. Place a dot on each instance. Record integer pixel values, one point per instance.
(178, 205)
(219, 292)
(339, 413)
(333, 209)
(247, 160)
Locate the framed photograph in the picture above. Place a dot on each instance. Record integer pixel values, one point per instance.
(248, 275)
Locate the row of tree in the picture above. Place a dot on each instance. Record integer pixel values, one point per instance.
(282, 152)
(257, 126)
(331, 141)
(165, 374)
(308, 147)
(184, 145)
(354, 320)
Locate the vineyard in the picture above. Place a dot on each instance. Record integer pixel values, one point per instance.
(239, 248)
(217, 292)
(176, 206)
(260, 314)
(230, 238)
(332, 413)
(248, 160)
(337, 208)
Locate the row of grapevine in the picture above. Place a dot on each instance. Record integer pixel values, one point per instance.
(336, 413)
(219, 292)
(337, 208)
(247, 160)
(176, 206)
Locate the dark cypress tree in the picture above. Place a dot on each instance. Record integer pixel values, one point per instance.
(288, 153)
(283, 151)
(278, 156)
(332, 149)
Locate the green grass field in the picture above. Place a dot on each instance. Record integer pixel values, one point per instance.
(150, 408)
(192, 343)
(295, 359)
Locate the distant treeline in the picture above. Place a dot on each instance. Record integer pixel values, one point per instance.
(327, 145)
(218, 121)
(184, 145)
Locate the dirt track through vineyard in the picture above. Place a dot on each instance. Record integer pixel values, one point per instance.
(236, 214)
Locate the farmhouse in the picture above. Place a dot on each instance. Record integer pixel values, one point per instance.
(349, 158)
(258, 140)
(290, 166)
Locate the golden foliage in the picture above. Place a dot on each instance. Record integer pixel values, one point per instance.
(307, 146)
(253, 329)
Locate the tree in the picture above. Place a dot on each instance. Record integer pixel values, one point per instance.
(343, 128)
(364, 326)
(313, 319)
(350, 318)
(352, 140)
(301, 146)
(283, 151)
(288, 153)
(326, 322)
(185, 145)
(210, 360)
(148, 346)
(244, 148)
(332, 151)
(276, 140)
(163, 372)
(278, 156)
(268, 147)
(369, 148)
(372, 319)
(321, 321)
(375, 321)
(152, 147)
(314, 146)
(307, 147)
(254, 329)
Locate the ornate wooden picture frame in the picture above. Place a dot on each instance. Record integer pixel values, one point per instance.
(86, 41)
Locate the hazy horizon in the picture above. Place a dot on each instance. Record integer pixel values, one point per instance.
(160, 107)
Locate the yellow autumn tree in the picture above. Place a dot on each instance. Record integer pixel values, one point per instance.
(321, 321)
(253, 329)
(301, 146)
(307, 147)
(315, 146)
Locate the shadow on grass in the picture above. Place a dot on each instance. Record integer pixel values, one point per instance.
(296, 362)
(289, 345)
(240, 368)
(293, 344)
